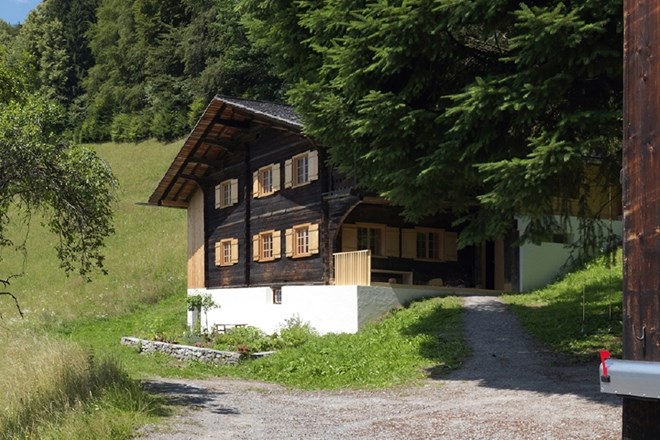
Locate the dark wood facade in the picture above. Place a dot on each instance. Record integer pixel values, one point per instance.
(234, 141)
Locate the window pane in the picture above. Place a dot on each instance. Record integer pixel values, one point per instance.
(362, 239)
(226, 252)
(302, 241)
(421, 245)
(374, 241)
(267, 246)
(266, 180)
(433, 244)
(226, 194)
(301, 170)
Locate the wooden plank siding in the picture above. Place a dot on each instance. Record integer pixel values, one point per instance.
(279, 211)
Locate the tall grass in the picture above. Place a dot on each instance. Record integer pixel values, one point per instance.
(51, 388)
(43, 381)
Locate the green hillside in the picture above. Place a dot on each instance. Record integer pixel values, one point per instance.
(145, 258)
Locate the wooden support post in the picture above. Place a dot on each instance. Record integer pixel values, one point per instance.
(641, 204)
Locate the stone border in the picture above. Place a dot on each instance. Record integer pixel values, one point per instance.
(183, 352)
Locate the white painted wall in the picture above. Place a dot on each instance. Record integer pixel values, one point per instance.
(540, 264)
(329, 309)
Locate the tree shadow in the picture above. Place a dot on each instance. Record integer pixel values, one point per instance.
(179, 394)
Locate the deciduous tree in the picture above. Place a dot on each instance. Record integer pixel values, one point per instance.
(40, 171)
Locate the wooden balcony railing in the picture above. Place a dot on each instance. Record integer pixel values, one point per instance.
(353, 268)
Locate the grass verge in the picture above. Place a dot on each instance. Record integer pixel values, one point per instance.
(54, 389)
(579, 314)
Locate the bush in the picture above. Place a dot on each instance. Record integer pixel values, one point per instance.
(247, 339)
(295, 332)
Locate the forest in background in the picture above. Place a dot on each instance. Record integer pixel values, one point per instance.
(492, 104)
(127, 70)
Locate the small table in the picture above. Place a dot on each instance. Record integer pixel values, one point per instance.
(224, 328)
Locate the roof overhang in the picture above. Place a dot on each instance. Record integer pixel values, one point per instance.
(221, 130)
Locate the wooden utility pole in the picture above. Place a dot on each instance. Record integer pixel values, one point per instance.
(641, 204)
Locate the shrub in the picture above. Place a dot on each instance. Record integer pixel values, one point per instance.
(296, 332)
(248, 338)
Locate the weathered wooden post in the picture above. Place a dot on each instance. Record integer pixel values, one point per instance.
(641, 203)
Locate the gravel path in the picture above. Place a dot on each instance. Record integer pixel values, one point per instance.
(509, 389)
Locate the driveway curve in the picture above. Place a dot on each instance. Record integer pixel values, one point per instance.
(510, 388)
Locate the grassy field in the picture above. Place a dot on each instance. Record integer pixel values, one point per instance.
(579, 314)
(55, 385)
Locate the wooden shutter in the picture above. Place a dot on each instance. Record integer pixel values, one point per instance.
(276, 176)
(313, 239)
(218, 253)
(256, 251)
(234, 250)
(255, 184)
(277, 244)
(313, 157)
(218, 196)
(234, 191)
(348, 238)
(288, 173)
(450, 251)
(288, 239)
(408, 243)
(391, 242)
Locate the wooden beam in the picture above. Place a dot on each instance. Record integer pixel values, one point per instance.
(641, 205)
(214, 165)
(233, 123)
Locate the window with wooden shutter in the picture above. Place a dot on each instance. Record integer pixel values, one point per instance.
(226, 193)
(423, 244)
(226, 252)
(301, 169)
(302, 240)
(267, 246)
(266, 180)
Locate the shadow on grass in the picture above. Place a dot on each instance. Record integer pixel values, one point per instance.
(504, 357)
(443, 341)
(179, 394)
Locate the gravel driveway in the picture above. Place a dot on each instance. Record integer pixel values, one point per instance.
(509, 389)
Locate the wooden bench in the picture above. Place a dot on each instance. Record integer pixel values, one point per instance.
(224, 328)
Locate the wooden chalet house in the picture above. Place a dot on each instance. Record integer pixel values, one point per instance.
(264, 209)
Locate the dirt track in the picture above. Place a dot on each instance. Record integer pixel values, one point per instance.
(509, 389)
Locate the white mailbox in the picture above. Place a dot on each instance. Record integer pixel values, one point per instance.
(629, 378)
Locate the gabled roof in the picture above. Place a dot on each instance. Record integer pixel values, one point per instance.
(218, 132)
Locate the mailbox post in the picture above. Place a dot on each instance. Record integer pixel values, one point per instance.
(641, 206)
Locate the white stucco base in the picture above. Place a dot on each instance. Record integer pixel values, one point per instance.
(540, 264)
(329, 309)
